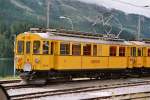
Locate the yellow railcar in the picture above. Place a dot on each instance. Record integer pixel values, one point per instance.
(60, 54)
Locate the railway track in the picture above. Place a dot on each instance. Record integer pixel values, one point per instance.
(10, 85)
(131, 96)
(9, 81)
(17, 86)
(75, 90)
(51, 82)
(13, 84)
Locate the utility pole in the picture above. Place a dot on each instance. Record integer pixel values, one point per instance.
(48, 13)
(139, 28)
(139, 24)
(14, 56)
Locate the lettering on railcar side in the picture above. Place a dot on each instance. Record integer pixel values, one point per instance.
(95, 61)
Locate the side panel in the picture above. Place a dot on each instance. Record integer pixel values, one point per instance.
(67, 62)
(43, 62)
(117, 62)
(139, 62)
(147, 62)
(47, 62)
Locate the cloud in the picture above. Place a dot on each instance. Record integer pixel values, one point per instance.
(128, 6)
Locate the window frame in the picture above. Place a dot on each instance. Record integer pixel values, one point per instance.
(51, 47)
(139, 51)
(133, 51)
(39, 52)
(45, 51)
(23, 47)
(95, 50)
(27, 47)
(66, 49)
(112, 53)
(122, 51)
(78, 51)
(148, 52)
(88, 51)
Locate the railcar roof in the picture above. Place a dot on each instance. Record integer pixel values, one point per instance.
(140, 43)
(52, 36)
(77, 39)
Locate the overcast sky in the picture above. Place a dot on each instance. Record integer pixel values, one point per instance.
(128, 6)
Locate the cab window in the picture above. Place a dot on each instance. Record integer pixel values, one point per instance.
(121, 51)
(112, 50)
(27, 47)
(87, 50)
(45, 47)
(76, 49)
(64, 48)
(20, 47)
(36, 47)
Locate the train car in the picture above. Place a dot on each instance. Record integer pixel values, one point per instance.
(52, 54)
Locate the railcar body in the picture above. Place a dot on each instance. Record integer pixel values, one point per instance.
(55, 54)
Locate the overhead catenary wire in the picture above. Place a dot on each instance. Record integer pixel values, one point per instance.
(139, 20)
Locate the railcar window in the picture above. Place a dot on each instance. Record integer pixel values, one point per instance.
(94, 50)
(87, 49)
(20, 47)
(64, 49)
(148, 52)
(27, 47)
(76, 49)
(52, 47)
(45, 47)
(121, 51)
(139, 52)
(112, 50)
(36, 47)
(133, 51)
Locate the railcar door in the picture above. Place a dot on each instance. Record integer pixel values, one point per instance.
(47, 55)
(139, 58)
(19, 57)
(132, 57)
(28, 54)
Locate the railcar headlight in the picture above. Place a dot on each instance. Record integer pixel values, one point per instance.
(27, 67)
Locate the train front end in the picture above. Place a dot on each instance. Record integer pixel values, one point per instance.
(33, 58)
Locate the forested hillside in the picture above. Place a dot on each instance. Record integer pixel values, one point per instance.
(17, 16)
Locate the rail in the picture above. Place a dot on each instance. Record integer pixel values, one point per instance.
(75, 90)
